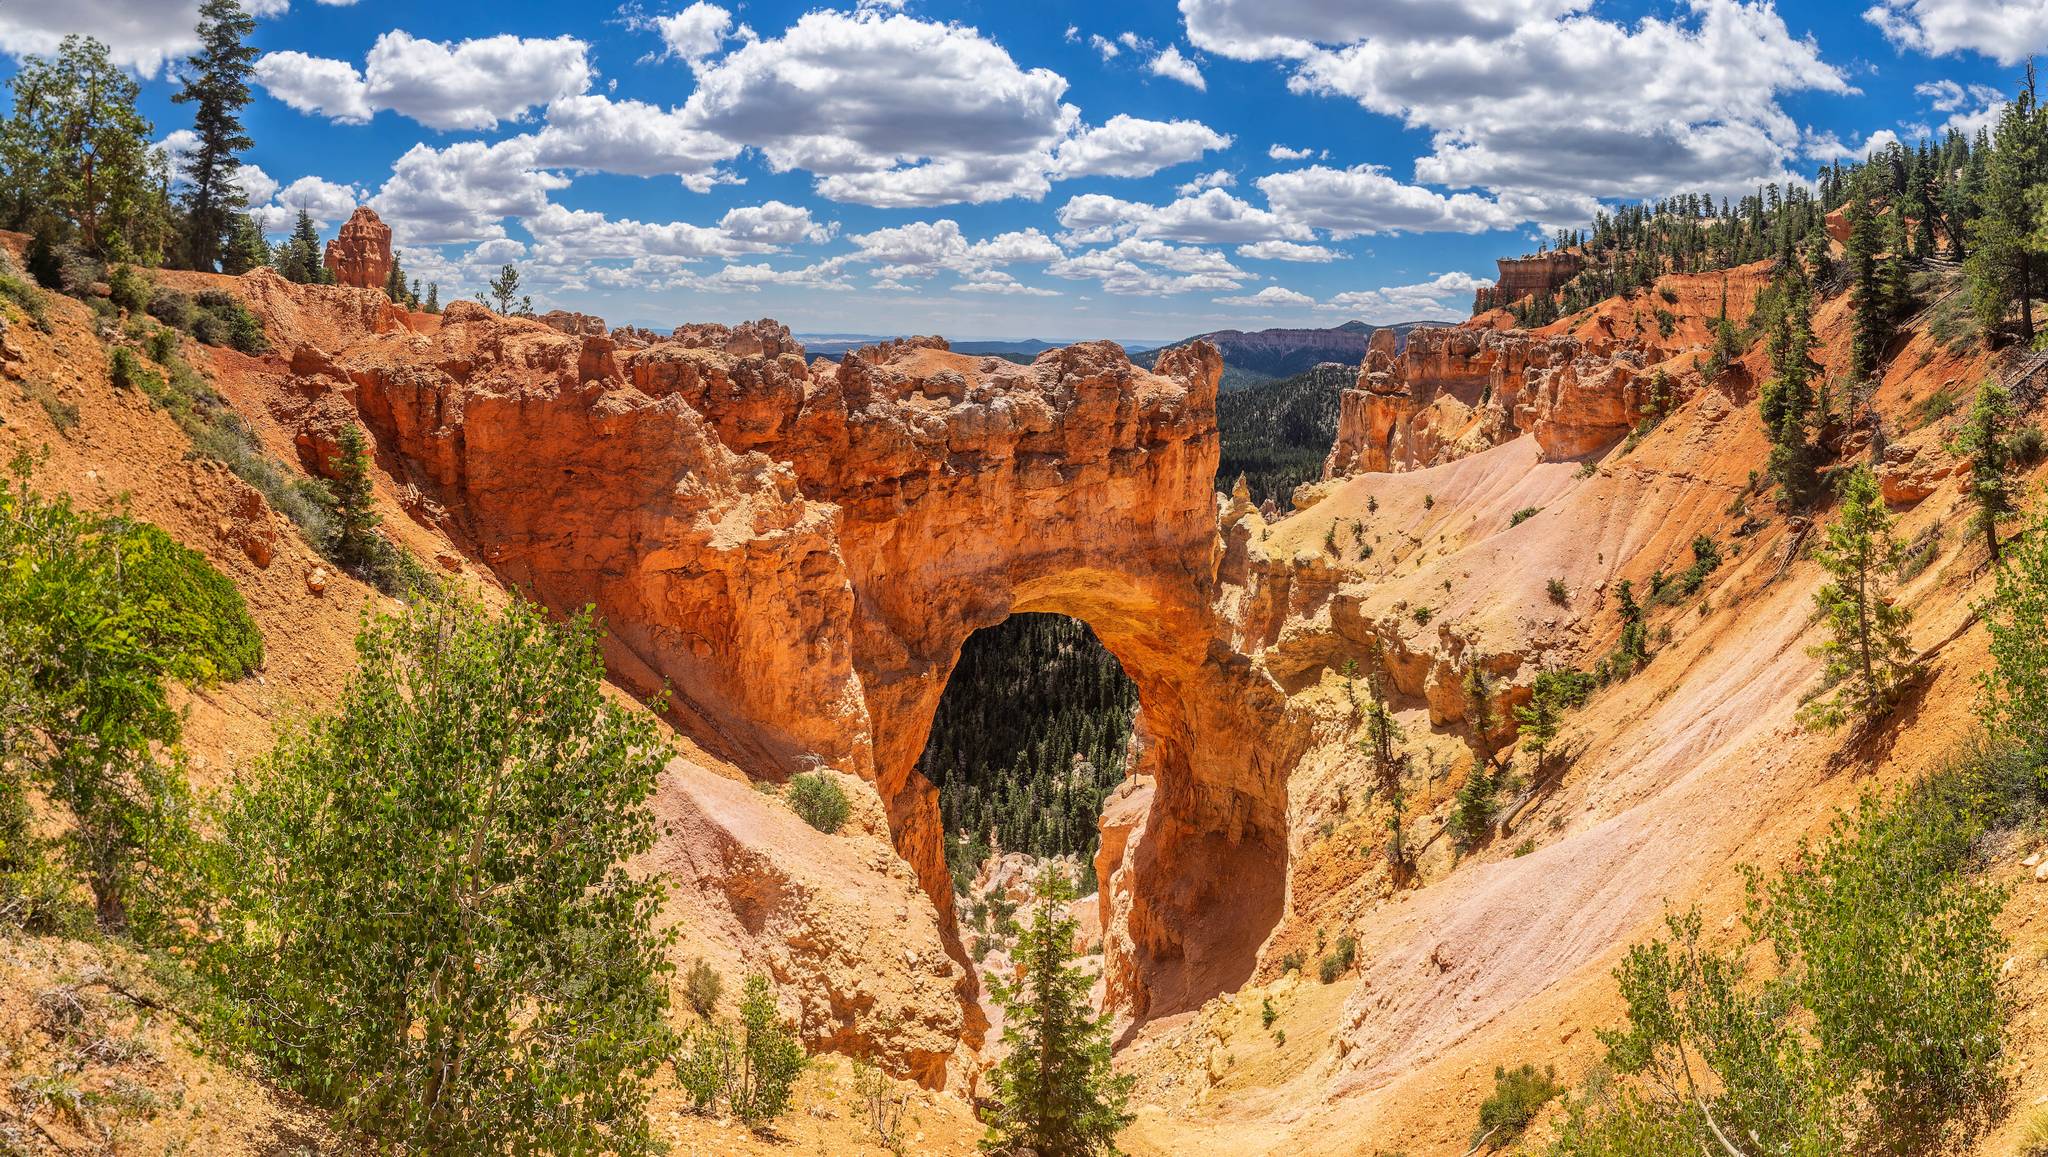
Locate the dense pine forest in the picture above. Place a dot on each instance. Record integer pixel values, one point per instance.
(1028, 739)
(1277, 433)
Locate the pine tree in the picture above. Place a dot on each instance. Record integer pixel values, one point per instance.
(2000, 268)
(76, 157)
(1869, 300)
(217, 84)
(356, 541)
(504, 287)
(1787, 400)
(1985, 442)
(246, 248)
(298, 259)
(1541, 717)
(1868, 658)
(394, 281)
(1479, 711)
(1382, 737)
(1056, 1092)
(433, 297)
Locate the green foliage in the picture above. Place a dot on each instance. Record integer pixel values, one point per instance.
(1267, 1013)
(818, 800)
(1559, 593)
(355, 543)
(2015, 690)
(1986, 441)
(2001, 269)
(1276, 433)
(246, 248)
(1475, 805)
(704, 1064)
(1879, 1030)
(417, 910)
(702, 987)
(299, 258)
(99, 614)
(62, 414)
(1872, 309)
(1523, 515)
(218, 433)
(128, 287)
(1055, 1092)
(1632, 651)
(1343, 954)
(1551, 694)
(25, 297)
(216, 84)
(213, 317)
(125, 372)
(1518, 1094)
(769, 1058)
(77, 162)
(1867, 660)
(504, 288)
(1788, 401)
(1028, 740)
(1940, 404)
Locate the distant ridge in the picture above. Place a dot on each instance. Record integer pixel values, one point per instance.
(1264, 354)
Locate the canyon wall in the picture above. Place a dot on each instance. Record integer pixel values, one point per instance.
(796, 552)
(1452, 392)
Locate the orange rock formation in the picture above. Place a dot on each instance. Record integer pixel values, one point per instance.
(797, 551)
(360, 255)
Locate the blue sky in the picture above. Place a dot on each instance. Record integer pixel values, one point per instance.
(1047, 168)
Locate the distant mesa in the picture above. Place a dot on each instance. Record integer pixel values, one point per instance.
(361, 254)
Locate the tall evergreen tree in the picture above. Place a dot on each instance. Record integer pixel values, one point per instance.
(356, 542)
(1787, 400)
(1867, 658)
(1056, 1092)
(298, 259)
(1869, 299)
(246, 247)
(2001, 266)
(217, 86)
(1985, 442)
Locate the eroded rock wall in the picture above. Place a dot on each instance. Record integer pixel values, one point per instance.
(796, 551)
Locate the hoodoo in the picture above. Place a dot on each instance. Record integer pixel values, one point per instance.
(360, 255)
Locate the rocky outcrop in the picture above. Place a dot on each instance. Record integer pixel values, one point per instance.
(360, 255)
(1522, 277)
(576, 324)
(797, 551)
(1451, 392)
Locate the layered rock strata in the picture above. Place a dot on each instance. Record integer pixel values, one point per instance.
(796, 551)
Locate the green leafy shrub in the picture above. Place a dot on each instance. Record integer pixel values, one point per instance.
(769, 1059)
(505, 990)
(818, 800)
(702, 987)
(1523, 515)
(1559, 593)
(128, 287)
(26, 297)
(1518, 1094)
(1267, 1013)
(1880, 1016)
(97, 615)
(1475, 805)
(1343, 954)
(704, 1065)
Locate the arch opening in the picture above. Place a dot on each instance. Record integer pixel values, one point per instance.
(1032, 733)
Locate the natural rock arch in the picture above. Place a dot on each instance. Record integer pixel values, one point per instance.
(797, 551)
